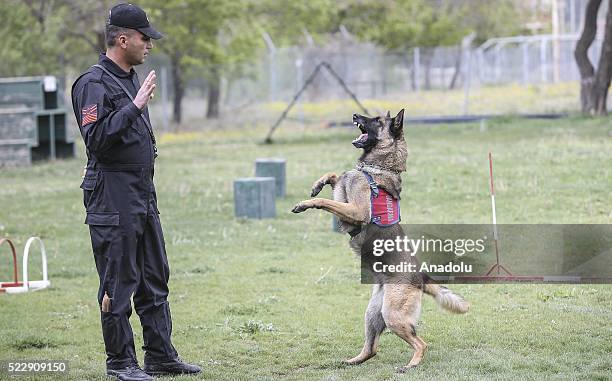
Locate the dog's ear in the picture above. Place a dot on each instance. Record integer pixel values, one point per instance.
(388, 114)
(398, 122)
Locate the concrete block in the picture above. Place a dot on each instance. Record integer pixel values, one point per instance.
(254, 197)
(271, 167)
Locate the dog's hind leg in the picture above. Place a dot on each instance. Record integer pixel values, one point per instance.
(374, 326)
(401, 310)
(328, 178)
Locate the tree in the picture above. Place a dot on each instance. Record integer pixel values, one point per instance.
(209, 38)
(594, 84)
(492, 18)
(298, 23)
(29, 44)
(288, 22)
(399, 25)
(85, 31)
(38, 40)
(403, 24)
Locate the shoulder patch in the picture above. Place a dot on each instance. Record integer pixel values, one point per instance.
(89, 114)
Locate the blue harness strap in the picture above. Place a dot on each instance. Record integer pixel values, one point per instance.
(384, 207)
(373, 185)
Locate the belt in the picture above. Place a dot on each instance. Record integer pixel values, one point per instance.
(121, 167)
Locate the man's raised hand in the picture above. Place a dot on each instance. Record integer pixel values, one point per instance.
(146, 91)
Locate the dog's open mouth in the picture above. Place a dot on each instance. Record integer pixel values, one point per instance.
(361, 139)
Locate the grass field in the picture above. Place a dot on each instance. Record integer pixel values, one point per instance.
(281, 298)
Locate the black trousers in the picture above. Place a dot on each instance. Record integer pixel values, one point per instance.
(130, 257)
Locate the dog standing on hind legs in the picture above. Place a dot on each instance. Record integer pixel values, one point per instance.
(366, 202)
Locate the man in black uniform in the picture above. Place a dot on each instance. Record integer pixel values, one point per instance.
(119, 196)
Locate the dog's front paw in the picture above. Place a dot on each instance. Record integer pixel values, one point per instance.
(316, 188)
(300, 207)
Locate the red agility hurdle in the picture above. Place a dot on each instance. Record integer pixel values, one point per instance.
(17, 287)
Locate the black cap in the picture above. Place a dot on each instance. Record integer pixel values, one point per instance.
(132, 17)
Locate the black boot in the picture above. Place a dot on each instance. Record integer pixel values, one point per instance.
(174, 366)
(130, 373)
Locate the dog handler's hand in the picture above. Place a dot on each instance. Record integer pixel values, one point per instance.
(146, 91)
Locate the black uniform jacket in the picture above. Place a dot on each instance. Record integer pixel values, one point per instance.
(118, 184)
(114, 132)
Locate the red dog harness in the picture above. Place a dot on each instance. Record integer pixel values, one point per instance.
(385, 208)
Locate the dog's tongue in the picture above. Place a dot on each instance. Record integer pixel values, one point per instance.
(362, 138)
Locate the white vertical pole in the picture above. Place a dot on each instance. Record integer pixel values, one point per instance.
(495, 237)
(492, 191)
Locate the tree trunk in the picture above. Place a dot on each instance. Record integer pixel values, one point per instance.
(214, 92)
(604, 69)
(587, 72)
(179, 88)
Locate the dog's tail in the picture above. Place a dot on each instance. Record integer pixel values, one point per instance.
(446, 298)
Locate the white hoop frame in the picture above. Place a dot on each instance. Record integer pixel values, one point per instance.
(33, 285)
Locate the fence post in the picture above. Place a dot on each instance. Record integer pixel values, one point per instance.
(543, 62)
(164, 98)
(417, 68)
(271, 66)
(497, 63)
(573, 27)
(481, 66)
(556, 51)
(299, 80)
(383, 74)
(525, 54)
(466, 48)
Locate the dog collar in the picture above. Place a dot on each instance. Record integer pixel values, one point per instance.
(362, 165)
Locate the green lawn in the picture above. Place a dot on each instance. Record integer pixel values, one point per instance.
(281, 298)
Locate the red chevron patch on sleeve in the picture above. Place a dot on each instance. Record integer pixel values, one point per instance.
(89, 114)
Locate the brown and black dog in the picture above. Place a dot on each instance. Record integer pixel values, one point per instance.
(395, 302)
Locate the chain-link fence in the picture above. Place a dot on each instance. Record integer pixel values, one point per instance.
(452, 80)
